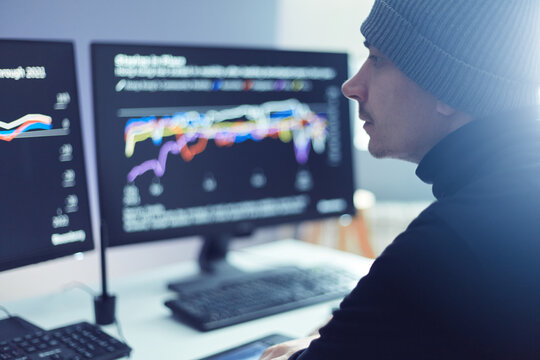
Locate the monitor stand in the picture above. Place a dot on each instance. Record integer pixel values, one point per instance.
(213, 265)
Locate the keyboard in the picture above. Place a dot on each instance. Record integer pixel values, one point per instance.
(77, 341)
(255, 295)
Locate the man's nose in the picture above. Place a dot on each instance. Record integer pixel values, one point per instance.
(356, 87)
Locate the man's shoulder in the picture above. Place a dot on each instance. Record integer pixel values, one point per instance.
(497, 225)
(505, 205)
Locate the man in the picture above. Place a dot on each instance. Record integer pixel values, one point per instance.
(452, 85)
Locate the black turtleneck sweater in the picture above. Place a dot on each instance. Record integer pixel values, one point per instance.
(463, 280)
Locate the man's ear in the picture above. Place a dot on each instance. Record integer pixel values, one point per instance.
(444, 109)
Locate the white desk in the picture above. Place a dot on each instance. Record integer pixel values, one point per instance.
(154, 334)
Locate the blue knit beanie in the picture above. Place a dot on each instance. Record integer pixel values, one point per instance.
(478, 56)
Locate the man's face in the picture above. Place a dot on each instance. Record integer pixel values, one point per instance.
(401, 119)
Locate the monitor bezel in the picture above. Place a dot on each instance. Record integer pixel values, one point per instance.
(67, 249)
(212, 231)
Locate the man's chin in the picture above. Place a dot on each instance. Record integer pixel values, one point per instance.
(382, 153)
(377, 152)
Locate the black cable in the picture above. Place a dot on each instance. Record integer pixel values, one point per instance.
(6, 311)
(79, 285)
(121, 334)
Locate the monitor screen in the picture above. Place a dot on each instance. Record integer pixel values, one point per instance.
(202, 140)
(44, 212)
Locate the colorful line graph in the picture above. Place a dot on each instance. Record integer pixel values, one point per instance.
(23, 124)
(287, 120)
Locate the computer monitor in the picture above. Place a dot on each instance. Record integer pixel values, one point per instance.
(44, 211)
(44, 208)
(218, 141)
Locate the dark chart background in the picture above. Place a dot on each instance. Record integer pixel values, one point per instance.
(229, 170)
(44, 212)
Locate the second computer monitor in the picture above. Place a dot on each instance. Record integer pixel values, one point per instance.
(205, 141)
(44, 208)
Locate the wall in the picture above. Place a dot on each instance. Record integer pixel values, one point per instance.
(212, 22)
